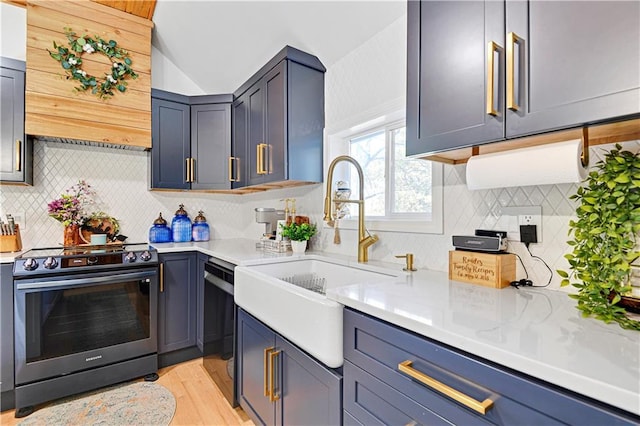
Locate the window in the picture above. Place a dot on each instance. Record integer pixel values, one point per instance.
(400, 193)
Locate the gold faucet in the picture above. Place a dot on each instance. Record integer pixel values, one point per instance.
(364, 242)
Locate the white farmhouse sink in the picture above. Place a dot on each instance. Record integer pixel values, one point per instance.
(305, 317)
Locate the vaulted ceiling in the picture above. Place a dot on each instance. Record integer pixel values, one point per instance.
(220, 44)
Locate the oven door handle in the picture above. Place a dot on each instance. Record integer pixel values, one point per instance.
(218, 282)
(36, 285)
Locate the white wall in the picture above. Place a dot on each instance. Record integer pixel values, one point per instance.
(13, 32)
(167, 76)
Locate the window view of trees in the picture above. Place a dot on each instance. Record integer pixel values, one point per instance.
(394, 185)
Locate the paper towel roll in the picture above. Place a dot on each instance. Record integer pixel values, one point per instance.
(537, 165)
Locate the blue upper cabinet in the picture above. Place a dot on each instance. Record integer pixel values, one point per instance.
(170, 131)
(16, 152)
(575, 63)
(480, 72)
(191, 141)
(447, 84)
(278, 122)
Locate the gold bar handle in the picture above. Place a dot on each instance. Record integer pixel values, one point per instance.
(231, 179)
(162, 278)
(492, 47)
(262, 169)
(267, 389)
(259, 159)
(512, 39)
(480, 407)
(270, 157)
(18, 155)
(193, 169)
(272, 376)
(188, 171)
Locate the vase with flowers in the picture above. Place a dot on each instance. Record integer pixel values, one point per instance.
(71, 210)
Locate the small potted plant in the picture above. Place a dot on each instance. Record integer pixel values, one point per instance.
(299, 234)
(605, 238)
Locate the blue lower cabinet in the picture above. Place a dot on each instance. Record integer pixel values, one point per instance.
(6, 337)
(280, 384)
(390, 375)
(372, 402)
(177, 302)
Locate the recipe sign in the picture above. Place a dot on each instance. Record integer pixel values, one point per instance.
(486, 269)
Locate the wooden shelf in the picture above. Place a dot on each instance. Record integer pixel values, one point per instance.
(620, 131)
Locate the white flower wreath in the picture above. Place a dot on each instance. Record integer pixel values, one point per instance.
(71, 61)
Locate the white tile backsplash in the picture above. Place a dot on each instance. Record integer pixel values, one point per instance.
(120, 178)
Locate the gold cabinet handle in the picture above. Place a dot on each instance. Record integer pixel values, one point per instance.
(273, 397)
(18, 155)
(260, 163)
(188, 173)
(270, 157)
(512, 39)
(192, 161)
(265, 370)
(162, 278)
(259, 159)
(492, 48)
(231, 179)
(481, 407)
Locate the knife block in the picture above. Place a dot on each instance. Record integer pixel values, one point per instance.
(11, 243)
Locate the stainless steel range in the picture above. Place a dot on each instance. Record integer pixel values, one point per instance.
(85, 317)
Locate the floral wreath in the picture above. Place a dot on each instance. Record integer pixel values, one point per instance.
(71, 61)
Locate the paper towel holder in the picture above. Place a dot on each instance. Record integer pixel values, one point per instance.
(584, 158)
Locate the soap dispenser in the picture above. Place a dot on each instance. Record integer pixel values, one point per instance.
(160, 232)
(181, 226)
(200, 228)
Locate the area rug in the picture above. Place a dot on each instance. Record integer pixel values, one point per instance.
(131, 403)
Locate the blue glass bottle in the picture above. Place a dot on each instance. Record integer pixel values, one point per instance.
(160, 232)
(200, 228)
(181, 226)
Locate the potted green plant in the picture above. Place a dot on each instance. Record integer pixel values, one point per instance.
(299, 234)
(605, 237)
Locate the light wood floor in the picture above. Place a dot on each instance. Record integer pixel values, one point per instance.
(198, 400)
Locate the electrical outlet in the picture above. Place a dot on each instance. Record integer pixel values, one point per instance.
(525, 219)
(522, 215)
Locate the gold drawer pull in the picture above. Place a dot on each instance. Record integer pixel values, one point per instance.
(267, 390)
(188, 170)
(272, 367)
(480, 407)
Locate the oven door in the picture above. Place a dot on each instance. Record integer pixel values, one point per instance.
(66, 324)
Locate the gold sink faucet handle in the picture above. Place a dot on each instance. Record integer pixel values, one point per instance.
(409, 259)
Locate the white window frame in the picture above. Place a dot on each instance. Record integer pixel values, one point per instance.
(338, 144)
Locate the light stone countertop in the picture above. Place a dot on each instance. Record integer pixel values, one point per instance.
(535, 331)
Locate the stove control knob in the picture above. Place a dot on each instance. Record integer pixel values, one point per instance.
(50, 263)
(30, 264)
(145, 256)
(130, 257)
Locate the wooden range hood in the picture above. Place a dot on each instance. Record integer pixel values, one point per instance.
(53, 108)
